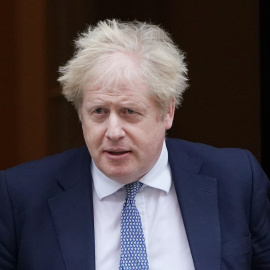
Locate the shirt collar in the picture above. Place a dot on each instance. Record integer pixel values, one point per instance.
(158, 177)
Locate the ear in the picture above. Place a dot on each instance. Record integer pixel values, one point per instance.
(168, 120)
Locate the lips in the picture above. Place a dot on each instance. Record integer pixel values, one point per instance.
(118, 152)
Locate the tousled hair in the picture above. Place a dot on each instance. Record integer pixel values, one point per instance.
(160, 62)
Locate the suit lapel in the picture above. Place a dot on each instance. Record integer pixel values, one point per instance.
(197, 196)
(72, 213)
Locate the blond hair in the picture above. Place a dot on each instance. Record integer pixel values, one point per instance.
(160, 62)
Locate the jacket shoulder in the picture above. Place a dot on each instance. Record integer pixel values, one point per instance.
(212, 159)
(46, 166)
(202, 150)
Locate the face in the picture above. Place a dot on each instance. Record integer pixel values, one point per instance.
(123, 130)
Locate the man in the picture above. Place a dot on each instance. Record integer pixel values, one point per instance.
(132, 199)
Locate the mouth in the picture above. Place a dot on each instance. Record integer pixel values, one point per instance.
(117, 152)
(117, 155)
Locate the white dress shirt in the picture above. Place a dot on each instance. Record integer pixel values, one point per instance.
(166, 241)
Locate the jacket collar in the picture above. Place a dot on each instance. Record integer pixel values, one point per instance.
(198, 200)
(72, 213)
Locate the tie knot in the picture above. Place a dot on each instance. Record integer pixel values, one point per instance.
(132, 189)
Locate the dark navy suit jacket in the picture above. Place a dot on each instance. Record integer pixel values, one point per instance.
(46, 210)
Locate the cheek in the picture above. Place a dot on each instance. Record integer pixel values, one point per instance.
(93, 133)
(89, 131)
(150, 139)
(85, 130)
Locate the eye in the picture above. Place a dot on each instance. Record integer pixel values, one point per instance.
(129, 111)
(99, 111)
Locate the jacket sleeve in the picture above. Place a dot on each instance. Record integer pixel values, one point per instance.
(260, 217)
(8, 247)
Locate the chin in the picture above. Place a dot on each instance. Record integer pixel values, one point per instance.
(123, 178)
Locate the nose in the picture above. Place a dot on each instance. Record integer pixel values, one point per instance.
(115, 129)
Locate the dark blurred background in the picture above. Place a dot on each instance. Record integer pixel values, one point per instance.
(227, 48)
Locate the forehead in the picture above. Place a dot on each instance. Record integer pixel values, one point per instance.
(117, 91)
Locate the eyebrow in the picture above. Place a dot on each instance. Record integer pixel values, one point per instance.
(102, 102)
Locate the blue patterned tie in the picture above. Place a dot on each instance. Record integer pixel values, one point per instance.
(133, 250)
